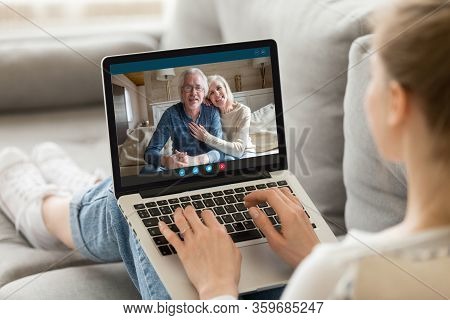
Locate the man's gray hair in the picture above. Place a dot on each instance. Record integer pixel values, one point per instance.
(185, 73)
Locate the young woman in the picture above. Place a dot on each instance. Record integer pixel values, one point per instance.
(408, 109)
(235, 118)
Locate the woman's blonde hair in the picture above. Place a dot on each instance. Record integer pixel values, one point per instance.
(224, 83)
(412, 38)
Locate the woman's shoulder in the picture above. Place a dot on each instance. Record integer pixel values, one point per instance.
(242, 109)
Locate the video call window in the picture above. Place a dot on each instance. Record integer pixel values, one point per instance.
(188, 119)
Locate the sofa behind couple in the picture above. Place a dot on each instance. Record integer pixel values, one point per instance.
(315, 48)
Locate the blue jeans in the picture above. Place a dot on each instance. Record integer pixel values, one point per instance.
(101, 233)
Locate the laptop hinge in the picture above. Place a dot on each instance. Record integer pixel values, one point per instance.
(178, 188)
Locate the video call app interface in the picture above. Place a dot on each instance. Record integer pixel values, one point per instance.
(194, 115)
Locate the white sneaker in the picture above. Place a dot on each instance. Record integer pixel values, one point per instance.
(22, 190)
(58, 168)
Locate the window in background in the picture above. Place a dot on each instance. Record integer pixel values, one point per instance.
(25, 17)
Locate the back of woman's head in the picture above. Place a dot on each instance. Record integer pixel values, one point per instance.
(412, 38)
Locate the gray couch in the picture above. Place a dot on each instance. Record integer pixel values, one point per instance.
(51, 93)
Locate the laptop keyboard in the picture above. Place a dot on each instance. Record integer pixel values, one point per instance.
(227, 205)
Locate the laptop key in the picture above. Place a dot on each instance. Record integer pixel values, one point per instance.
(228, 191)
(249, 224)
(172, 249)
(165, 250)
(250, 188)
(207, 195)
(246, 235)
(196, 197)
(209, 203)
(154, 212)
(227, 218)
(154, 231)
(150, 222)
(173, 201)
(185, 204)
(282, 183)
(261, 186)
(239, 190)
(217, 193)
(277, 219)
(240, 207)
(174, 228)
(238, 217)
(165, 210)
(166, 219)
(239, 197)
(175, 206)
(143, 214)
(198, 204)
(271, 184)
(160, 240)
(278, 227)
(139, 206)
(219, 210)
(230, 208)
(273, 221)
(230, 199)
(162, 203)
(219, 219)
(151, 204)
(238, 226)
(247, 215)
(185, 199)
(229, 228)
(219, 201)
(263, 205)
(269, 211)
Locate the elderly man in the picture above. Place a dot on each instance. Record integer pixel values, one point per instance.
(175, 121)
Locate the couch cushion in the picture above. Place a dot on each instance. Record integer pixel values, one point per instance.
(48, 73)
(106, 281)
(376, 189)
(18, 259)
(314, 39)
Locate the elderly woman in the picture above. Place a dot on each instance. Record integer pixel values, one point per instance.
(175, 122)
(235, 118)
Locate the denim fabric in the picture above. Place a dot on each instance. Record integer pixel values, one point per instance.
(174, 123)
(101, 233)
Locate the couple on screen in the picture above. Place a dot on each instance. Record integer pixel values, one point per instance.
(207, 126)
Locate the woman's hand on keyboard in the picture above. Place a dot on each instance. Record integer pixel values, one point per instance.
(297, 237)
(211, 259)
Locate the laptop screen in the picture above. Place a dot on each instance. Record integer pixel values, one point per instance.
(194, 114)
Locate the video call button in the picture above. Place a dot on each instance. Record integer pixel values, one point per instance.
(208, 168)
(182, 172)
(195, 170)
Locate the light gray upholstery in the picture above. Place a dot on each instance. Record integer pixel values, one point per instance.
(49, 73)
(376, 189)
(101, 282)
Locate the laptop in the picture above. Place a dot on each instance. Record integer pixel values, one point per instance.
(139, 90)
